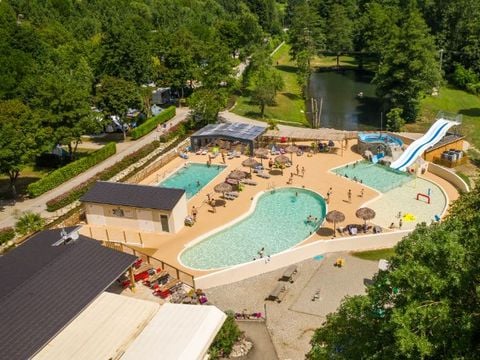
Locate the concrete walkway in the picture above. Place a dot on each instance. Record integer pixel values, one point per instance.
(8, 213)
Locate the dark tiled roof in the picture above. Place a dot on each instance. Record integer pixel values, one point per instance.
(44, 287)
(141, 196)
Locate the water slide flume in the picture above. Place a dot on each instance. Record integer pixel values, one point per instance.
(436, 132)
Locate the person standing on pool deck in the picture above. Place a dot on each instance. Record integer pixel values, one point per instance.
(400, 223)
(194, 213)
(303, 171)
(361, 192)
(297, 170)
(349, 195)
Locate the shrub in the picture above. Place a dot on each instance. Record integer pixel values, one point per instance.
(152, 123)
(6, 234)
(394, 120)
(29, 222)
(69, 171)
(75, 193)
(227, 336)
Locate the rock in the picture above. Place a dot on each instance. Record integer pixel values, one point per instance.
(241, 348)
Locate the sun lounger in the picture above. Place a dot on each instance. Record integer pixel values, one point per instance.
(289, 273)
(229, 197)
(277, 294)
(248, 182)
(232, 193)
(264, 175)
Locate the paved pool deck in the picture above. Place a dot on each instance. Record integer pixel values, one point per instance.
(318, 177)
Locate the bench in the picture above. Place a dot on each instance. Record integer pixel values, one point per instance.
(277, 294)
(289, 273)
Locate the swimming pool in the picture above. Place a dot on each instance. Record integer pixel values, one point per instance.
(192, 178)
(377, 176)
(277, 223)
(379, 137)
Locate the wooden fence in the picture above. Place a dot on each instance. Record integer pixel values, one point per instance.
(173, 271)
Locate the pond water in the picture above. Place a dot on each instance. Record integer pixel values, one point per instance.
(342, 108)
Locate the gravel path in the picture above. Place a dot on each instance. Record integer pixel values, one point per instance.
(292, 322)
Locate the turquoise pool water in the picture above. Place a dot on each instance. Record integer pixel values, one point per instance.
(192, 178)
(377, 176)
(277, 223)
(378, 137)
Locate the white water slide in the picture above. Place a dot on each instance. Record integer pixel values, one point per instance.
(436, 132)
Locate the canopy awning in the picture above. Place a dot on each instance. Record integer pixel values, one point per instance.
(102, 331)
(182, 332)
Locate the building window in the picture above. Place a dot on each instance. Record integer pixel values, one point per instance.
(118, 212)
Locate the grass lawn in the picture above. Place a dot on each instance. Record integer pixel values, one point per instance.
(28, 175)
(455, 101)
(290, 106)
(375, 255)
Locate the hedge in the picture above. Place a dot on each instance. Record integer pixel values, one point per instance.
(152, 123)
(71, 170)
(75, 193)
(6, 234)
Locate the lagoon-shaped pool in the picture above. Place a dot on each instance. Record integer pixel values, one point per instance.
(277, 223)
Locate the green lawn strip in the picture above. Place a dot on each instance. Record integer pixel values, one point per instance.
(454, 101)
(290, 106)
(374, 255)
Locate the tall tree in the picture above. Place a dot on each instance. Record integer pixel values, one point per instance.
(409, 67)
(205, 104)
(305, 34)
(115, 96)
(340, 31)
(20, 139)
(425, 306)
(266, 83)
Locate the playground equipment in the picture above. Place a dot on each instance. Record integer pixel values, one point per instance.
(419, 195)
(436, 132)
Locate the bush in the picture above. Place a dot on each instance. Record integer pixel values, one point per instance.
(75, 194)
(152, 123)
(178, 130)
(227, 336)
(69, 171)
(28, 223)
(6, 234)
(394, 120)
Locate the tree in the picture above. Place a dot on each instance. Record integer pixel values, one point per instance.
(394, 120)
(28, 223)
(408, 68)
(205, 104)
(115, 96)
(266, 82)
(20, 139)
(340, 31)
(425, 306)
(305, 35)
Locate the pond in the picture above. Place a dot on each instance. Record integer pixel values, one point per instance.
(342, 108)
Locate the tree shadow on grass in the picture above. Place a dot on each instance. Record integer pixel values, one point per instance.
(21, 186)
(287, 68)
(253, 114)
(291, 96)
(473, 112)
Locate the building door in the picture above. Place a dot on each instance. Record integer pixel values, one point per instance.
(164, 222)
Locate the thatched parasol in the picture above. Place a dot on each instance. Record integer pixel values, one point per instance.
(262, 153)
(223, 188)
(282, 159)
(237, 175)
(335, 216)
(365, 214)
(291, 149)
(251, 163)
